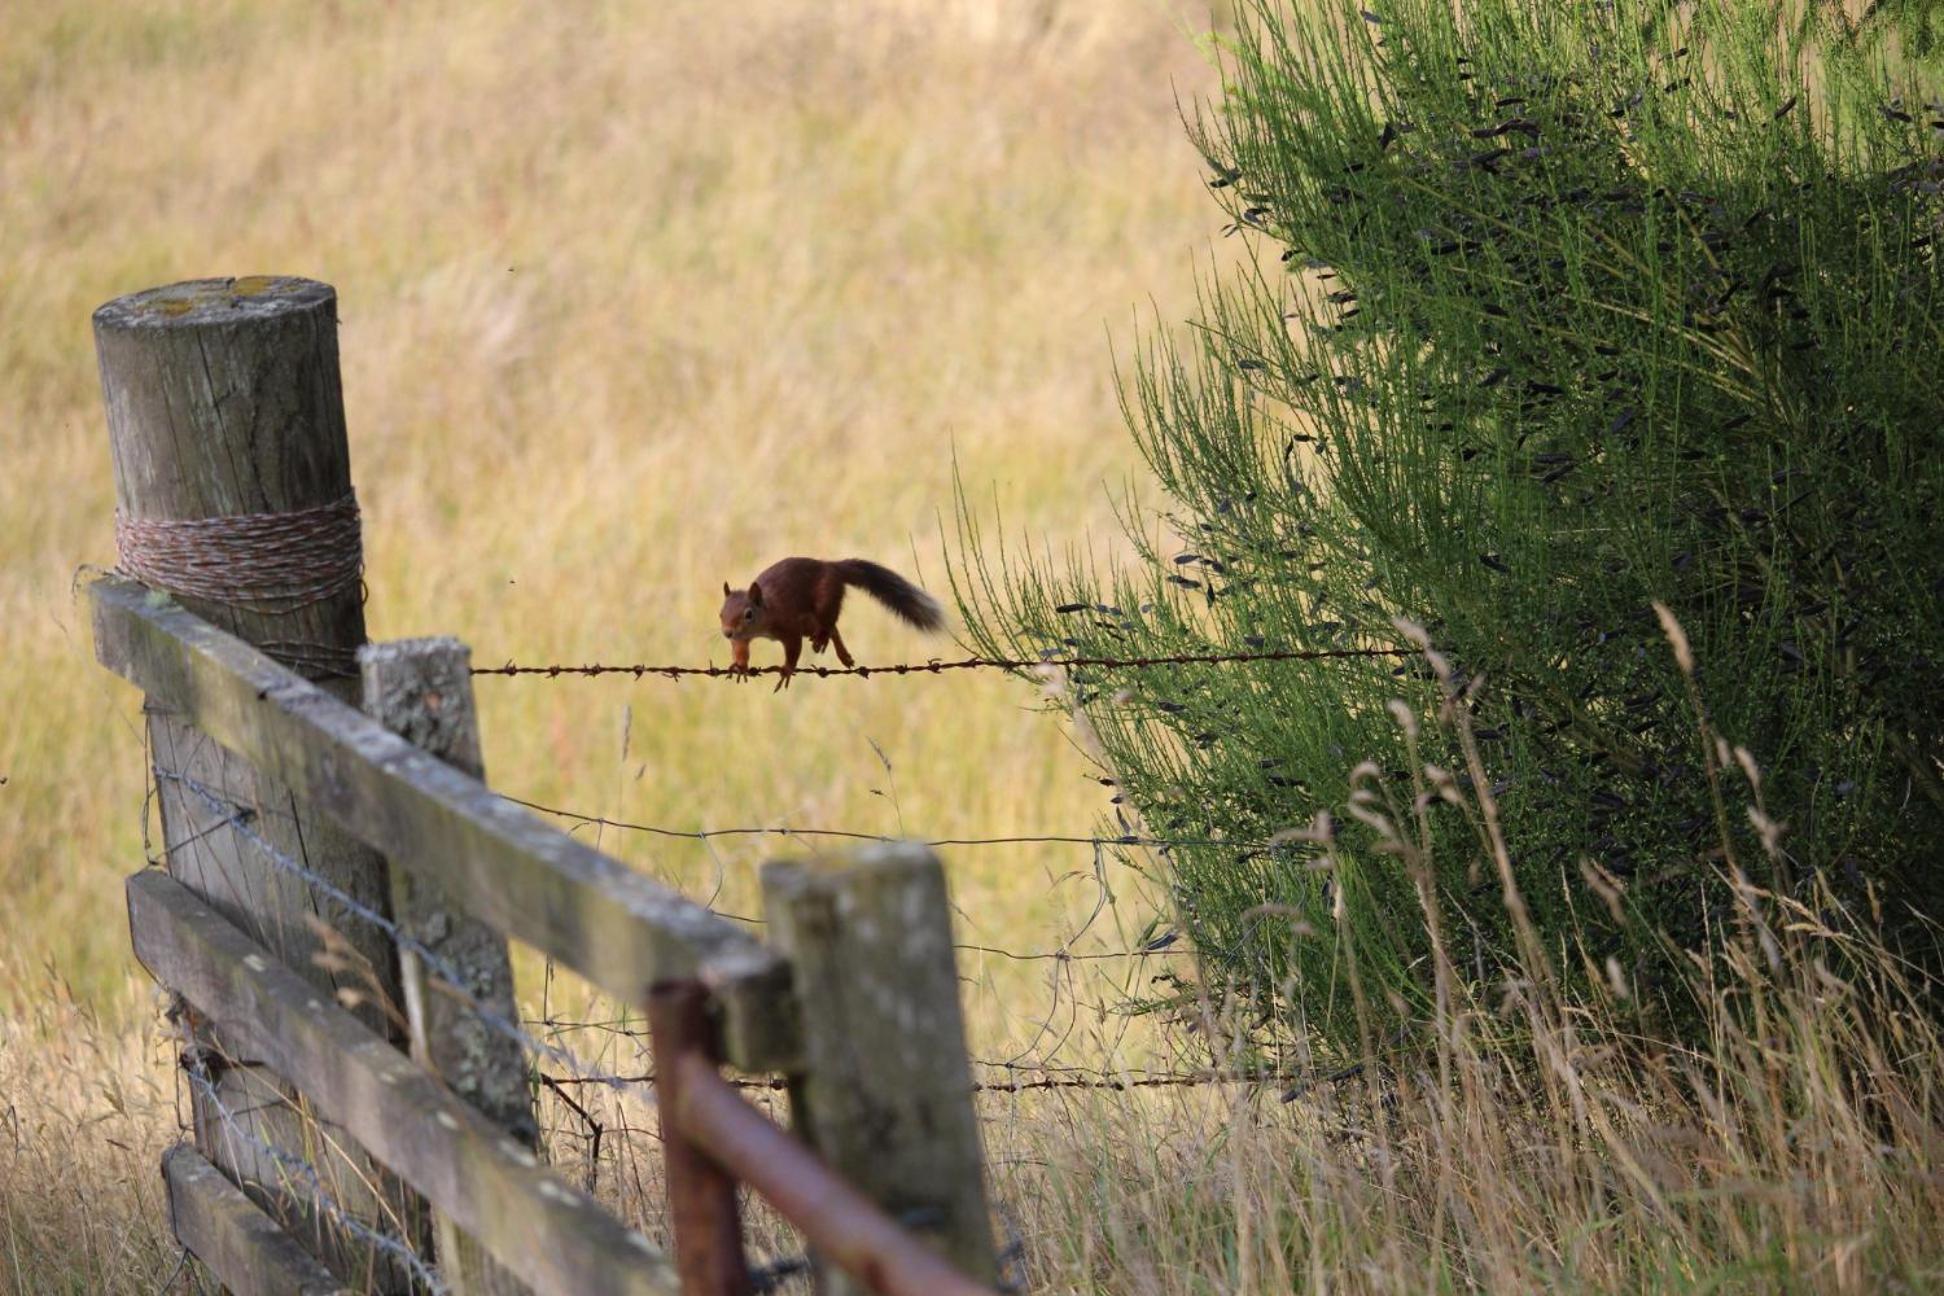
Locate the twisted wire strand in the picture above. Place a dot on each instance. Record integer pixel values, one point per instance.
(267, 562)
(1067, 1078)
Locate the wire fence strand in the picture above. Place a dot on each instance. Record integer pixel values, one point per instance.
(937, 666)
(452, 981)
(853, 834)
(999, 1077)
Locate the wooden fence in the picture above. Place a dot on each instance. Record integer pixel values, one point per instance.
(340, 884)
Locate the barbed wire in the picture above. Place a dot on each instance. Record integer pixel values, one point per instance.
(319, 1196)
(1138, 1080)
(935, 666)
(1165, 945)
(581, 817)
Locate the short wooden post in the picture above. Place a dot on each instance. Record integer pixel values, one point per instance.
(701, 1195)
(223, 402)
(422, 690)
(885, 1095)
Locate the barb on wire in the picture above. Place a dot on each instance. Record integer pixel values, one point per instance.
(642, 670)
(242, 816)
(450, 977)
(319, 1196)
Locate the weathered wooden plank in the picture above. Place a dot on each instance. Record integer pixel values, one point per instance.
(884, 1090)
(421, 689)
(246, 1250)
(223, 403)
(553, 1236)
(593, 914)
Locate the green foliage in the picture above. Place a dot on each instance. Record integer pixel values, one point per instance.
(1556, 311)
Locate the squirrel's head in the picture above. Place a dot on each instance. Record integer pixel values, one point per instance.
(743, 615)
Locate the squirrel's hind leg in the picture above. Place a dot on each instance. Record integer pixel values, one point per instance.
(837, 642)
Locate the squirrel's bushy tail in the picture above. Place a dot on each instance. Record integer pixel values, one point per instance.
(905, 599)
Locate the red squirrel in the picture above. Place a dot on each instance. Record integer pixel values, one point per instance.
(799, 598)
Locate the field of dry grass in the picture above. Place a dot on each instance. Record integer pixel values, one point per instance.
(635, 299)
(634, 302)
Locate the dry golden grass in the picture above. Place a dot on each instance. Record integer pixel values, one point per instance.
(635, 299)
(86, 1109)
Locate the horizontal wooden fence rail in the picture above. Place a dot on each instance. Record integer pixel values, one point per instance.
(497, 861)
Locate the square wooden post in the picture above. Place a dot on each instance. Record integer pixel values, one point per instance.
(885, 1092)
(421, 689)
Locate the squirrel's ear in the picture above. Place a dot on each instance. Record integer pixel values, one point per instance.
(726, 591)
(755, 594)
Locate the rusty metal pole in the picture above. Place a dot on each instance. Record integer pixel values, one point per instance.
(701, 1195)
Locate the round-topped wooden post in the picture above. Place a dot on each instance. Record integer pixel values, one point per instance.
(224, 402)
(233, 494)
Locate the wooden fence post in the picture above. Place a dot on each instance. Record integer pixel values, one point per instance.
(885, 1095)
(233, 493)
(421, 689)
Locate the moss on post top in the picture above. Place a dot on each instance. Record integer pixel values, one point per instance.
(201, 302)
